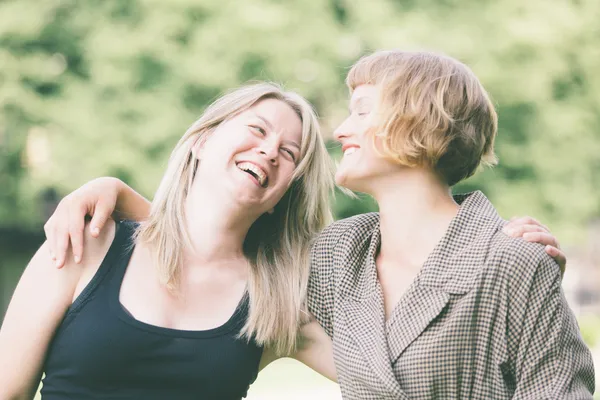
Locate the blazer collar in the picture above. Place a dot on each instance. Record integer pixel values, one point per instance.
(450, 266)
(449, 270)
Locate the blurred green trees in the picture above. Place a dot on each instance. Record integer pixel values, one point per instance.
(90, 87)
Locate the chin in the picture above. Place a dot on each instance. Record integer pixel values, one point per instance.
(340, 179)
(348, 182)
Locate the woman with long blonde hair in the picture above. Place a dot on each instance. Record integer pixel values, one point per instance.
(182, 305)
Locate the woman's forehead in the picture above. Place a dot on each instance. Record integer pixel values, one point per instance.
(362, 93)
(277, 115)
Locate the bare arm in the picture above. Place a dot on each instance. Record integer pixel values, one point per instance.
(38, 306)
(35, 311)
(316, 350)
(100, 199)
(130, 204)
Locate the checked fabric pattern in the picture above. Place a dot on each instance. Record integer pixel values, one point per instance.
(485, 318)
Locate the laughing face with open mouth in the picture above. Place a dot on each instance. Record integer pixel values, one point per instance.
(253, 155)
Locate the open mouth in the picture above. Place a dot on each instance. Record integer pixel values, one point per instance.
(350, 150)
(256, 172)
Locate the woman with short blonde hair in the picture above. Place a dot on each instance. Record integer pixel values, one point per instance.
(429, 298)
(432, 112)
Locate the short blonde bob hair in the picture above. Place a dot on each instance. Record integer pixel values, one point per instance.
(277, 245)
(433, 112)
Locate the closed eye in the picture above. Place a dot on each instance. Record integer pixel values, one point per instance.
(290, 153)
(360, 113)
(258, 129)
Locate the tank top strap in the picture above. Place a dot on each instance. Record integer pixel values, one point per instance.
(123, 251)
(113, 265)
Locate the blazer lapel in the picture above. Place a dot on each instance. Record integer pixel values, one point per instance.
(412, 316)
(366, 324)
(363, 312)
(449, 269)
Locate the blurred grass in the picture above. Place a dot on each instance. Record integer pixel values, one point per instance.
(590, 329)
(288, 379)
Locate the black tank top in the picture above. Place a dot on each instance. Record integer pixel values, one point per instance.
(101, 352)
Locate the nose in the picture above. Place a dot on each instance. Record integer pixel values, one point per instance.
(343, 131)
(269, 151)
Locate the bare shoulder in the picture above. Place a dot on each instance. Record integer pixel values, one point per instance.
(41, 268)
(95, 250)
(38, 305)
(49, 290)
(98, 247)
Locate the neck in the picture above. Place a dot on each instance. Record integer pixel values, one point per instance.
(217, 227)
(416, 209)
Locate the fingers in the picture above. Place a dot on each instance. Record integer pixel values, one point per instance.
(49, 232)
(544, 238)
(532, 230)
(65, 226)
(559, 257)
(61, 245)
(75, 230)
(520, 230)
(517, 221)
(57, 239)
(552, 247)
(102, 213)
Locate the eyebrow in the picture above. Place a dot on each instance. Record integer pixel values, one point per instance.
(270, 126)
(266, 121)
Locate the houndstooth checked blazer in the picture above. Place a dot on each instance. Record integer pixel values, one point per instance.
(485, 318)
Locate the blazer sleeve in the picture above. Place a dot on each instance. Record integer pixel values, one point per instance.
(321, 300)
(547, 353)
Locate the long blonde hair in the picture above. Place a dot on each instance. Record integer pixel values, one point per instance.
(277, 245)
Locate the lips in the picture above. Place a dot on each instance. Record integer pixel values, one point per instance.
(254, 170)
(349, 149)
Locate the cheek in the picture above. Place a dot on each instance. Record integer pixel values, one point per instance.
(285, 178)
(234, 145)
(367, 135)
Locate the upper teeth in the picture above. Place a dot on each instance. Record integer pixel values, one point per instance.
(260, 174)
(350, 150)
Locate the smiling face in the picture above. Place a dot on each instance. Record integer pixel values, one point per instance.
(432, 114)
(361, 165)
(254, 154)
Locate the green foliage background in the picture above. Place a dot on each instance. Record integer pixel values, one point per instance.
(106, 87)
(90, 87)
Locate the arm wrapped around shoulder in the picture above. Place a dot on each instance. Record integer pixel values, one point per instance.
(547, 353)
